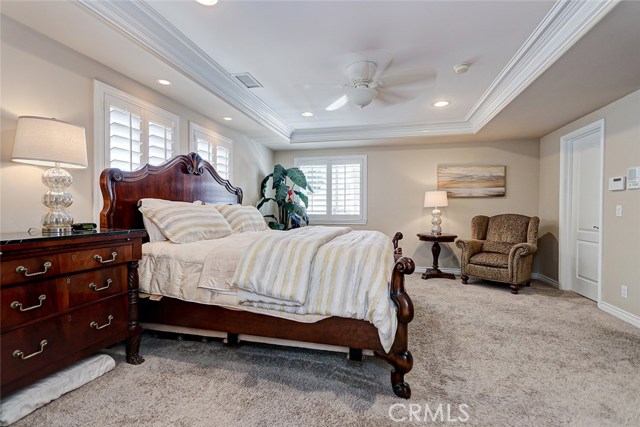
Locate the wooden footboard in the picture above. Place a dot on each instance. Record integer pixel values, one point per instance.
(400, 357)
(190, 178)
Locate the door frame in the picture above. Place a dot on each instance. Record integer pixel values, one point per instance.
(566, 185)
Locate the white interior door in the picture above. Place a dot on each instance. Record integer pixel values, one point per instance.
(584, 207)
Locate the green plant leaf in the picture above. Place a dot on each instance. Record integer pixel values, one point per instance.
(297, 177)
(309, 189)
(263, 186)
(295, 208)
(263, 201)
(279, 175)
(281, 193)
(303, 197)
(276, 225)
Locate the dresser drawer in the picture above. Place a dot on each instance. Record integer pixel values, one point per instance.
(23, 303)
(31, 348)
(96, 323)
(83, 288)
(26, 269)
(104, 256)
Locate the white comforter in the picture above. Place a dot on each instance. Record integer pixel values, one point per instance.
(203, 271)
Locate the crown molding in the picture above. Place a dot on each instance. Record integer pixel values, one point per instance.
(566, 23)
(351, 133)
(141, 23)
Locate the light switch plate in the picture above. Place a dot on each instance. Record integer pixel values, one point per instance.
(618, 210)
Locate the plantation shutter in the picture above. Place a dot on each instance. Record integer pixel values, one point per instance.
(223, 158)
(213, 148)
(160, 142)
(345, 189)
(136, 135)
(125, 145)
(339, 188)
(316, 177)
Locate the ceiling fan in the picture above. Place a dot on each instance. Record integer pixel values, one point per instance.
(365, 84)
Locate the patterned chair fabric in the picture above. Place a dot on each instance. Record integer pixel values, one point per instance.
(501, 248)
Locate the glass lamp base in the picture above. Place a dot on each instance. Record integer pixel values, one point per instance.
(57, 220)
(436, 230)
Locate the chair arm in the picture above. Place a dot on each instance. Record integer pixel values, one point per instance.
(469, 247)
(522, 250)
(520, 262)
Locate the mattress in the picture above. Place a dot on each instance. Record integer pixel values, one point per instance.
(175, 270)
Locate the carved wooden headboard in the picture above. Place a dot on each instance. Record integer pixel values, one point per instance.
(183, 178)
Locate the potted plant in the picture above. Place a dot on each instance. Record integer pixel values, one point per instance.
(290, 212)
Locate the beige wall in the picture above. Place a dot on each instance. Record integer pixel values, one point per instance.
(399, 176)
(43, 78)
(621, 235)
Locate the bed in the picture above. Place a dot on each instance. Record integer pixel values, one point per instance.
(190, 178)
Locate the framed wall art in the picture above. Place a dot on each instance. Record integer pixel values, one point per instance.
(472, 181)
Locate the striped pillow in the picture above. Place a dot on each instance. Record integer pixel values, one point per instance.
(243, 218)
(154, 233)
(188, 223)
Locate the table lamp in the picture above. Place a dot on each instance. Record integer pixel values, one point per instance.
(435, 199)
(49, 142)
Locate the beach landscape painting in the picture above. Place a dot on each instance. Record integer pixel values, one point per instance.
(472, 181)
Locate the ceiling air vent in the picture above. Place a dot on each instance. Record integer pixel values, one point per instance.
(248, 80)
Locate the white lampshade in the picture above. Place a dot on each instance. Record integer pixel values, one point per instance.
(433, 199)
(45, 142)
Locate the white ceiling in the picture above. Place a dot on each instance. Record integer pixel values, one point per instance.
(520, 52)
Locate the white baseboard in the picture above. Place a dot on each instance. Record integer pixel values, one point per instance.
(545, 279)
(620, 314)
(456, 271)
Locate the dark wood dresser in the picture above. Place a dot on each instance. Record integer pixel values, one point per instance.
(63, 298)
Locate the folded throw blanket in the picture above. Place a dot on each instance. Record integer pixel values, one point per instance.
(276, 269)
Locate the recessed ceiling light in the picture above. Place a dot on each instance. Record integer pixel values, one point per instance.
(227, 119)
(207, 2)
(441, 104)
(307, 114)
(163, 82)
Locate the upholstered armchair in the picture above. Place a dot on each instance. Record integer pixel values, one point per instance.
(501, 249)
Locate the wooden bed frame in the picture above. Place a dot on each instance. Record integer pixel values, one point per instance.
(189, 178)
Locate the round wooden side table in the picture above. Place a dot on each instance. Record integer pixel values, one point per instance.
(435, 250)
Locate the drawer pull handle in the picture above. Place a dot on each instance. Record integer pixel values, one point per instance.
(93, 286)
(101, 261)
(18, 306)
(95, 324)
(23, 270)
(20, 354)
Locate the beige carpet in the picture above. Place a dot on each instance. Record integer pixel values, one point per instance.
(541, 358)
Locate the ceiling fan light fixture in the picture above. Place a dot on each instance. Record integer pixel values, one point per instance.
(461, 68)
(361, 96)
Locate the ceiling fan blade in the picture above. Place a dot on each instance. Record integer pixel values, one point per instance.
(426, 79)
(383, 59)
(338, 103)
(393, 97)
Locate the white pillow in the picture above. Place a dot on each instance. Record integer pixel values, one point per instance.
(155, 235)
(188, 223)
(243, 218)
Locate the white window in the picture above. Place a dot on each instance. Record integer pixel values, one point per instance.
(214, 148)
(130, 131)
(339, 188)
